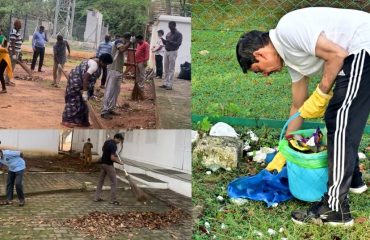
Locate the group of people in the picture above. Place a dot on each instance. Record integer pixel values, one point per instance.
(110, 60)
(16, 165)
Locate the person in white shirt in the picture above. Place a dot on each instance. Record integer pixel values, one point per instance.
(334, 43)
(159, 51)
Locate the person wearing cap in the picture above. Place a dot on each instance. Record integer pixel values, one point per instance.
(81, 79)
(16, 167)
(335, 44)
(142, 57)
(104, 47)
(107, 168)
(115, 75)
(172, 43)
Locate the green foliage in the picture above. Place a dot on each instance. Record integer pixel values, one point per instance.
(204, 125)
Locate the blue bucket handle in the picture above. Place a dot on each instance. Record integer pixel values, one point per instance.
(294, 116)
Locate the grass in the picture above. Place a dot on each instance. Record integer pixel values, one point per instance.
(219, 88)
(241, 222)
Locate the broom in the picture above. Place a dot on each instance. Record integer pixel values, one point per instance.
(136, 94)
(140, 195)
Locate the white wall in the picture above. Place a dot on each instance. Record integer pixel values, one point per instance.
(31, 140)
(94, 21)
(183, 25)
(97, 138)
(169, 149)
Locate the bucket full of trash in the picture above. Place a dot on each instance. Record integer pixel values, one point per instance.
(307, 163)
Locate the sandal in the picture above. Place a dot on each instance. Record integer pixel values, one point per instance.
(3, 91)
(115, 203)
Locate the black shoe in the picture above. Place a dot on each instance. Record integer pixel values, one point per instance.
(357, 185)
(114, 113)
(21, 203)
(106, 116)
(163, 86)
(168, 88)
(320, 213)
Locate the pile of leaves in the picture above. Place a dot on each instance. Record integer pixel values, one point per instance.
(102, 224)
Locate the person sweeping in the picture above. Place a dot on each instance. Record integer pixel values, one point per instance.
(334, 43)
(5, 66)
(16, 165)
(81, 79)
(107, 168)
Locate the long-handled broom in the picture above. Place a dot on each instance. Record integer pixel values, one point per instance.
(140, 195)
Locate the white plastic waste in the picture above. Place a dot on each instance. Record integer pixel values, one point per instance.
(194, 136)
(238, 201)
(271, 231)
(203, 52)
(222, 129)
(361, 156)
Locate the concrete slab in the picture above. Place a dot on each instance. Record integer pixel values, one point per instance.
(173, 107)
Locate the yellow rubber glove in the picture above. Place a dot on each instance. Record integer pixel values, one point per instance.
(315, 105)
(277, 163)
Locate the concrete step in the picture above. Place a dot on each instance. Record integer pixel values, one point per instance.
(161, 178)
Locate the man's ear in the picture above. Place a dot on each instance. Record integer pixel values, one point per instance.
(258, 53)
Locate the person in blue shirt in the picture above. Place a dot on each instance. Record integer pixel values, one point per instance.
(38, 44)
(104, 47)
(16, 166)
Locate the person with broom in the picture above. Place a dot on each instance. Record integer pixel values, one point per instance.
(334, 43)
(107, 168)
(81, 79)
(142, 57)
(114, 77)
(16, 165)
(5, 65)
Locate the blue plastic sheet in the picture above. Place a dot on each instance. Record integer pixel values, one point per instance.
(265, 186)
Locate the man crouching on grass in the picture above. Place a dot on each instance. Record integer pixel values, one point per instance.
(16, 166)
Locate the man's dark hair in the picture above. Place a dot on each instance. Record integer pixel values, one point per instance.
(139, 37)
(88, 139)
(248, 43)
(126, 35)
(172, 23)
(42, 27)
(119, 136)
(106, 58)
(59, 38)
(160, 31)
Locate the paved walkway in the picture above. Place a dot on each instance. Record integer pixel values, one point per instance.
(173, 107)
(39, 218)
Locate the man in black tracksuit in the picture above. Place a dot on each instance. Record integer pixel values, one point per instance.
(334, 43)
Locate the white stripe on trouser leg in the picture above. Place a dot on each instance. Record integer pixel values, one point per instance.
(355, 86)
(335, 151)
(340, 133)
(341, 123)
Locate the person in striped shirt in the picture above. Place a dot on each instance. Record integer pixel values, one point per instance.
(15, 45)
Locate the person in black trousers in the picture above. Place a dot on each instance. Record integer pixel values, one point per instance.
(38, 44)
(158, 50)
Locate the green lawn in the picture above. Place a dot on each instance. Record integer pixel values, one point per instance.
(241, 222)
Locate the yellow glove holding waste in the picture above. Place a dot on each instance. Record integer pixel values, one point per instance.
(315, 105)
(277, 163)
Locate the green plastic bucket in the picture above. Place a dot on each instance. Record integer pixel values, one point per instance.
(307, 172)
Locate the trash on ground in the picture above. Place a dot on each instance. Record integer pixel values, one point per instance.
(220, 198)
(238, 201)
(258, 233)
(362, 156)
(194, 136)
(271, 231)
(222, 129)
(203, 52)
